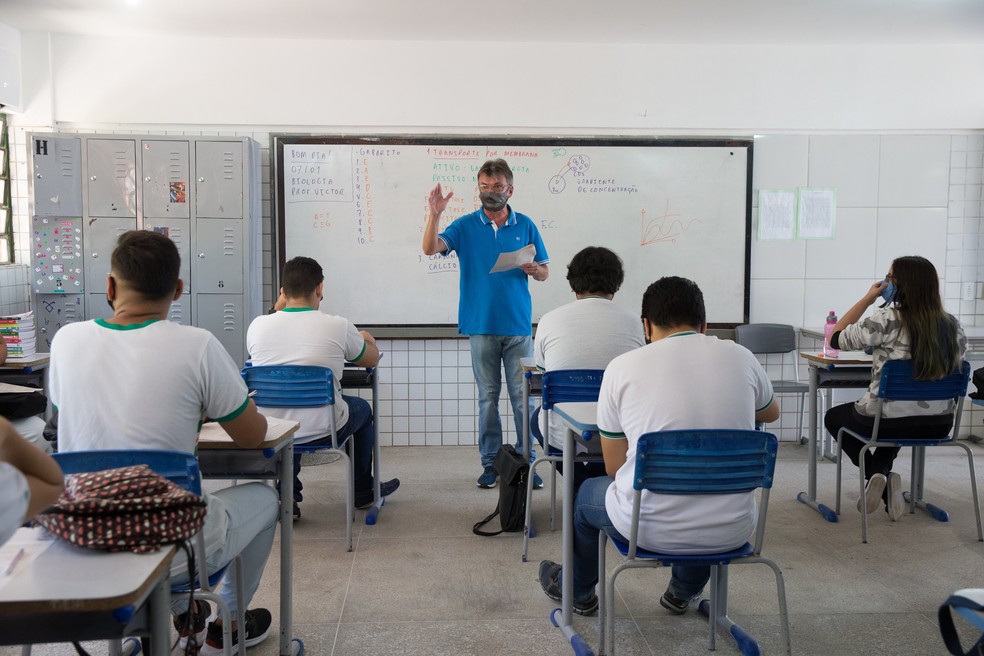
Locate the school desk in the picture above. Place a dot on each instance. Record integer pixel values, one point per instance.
(68, 593)
(355, 377)
(220, 458)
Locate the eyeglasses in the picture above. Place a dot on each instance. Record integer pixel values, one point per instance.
(497, 188)
(889, 277)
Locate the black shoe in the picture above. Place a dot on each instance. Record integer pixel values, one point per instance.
(297, 511)
(550, 582)
(195, 626)
(673, 604)
(258, 621)
(386, 488)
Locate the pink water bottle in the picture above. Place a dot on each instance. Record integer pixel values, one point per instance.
(828, 331)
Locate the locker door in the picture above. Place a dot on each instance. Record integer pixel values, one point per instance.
(223, 316)
(57, 175)
(54, 311)
(56, 250)
(178, 231)
(112, 177)
(100, 237)
(165, 179)
(180, 311)
(218, 256)
(219, 179)
(98, 306)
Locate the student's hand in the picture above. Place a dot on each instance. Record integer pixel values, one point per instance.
(437, 201)
(874, 292)
(281, 301)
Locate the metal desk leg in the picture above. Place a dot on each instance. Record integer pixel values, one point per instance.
(160, 617)
(527, 381)
(378, 501)
(810, 496)
(286, 548)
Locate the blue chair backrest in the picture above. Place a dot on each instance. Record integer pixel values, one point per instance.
(178, 467)
(570, 385)
(290, 386)
(898, 384)
(711, 461)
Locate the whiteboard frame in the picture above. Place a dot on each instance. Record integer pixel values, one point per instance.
(445, 330)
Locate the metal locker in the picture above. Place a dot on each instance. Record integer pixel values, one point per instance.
(165, 181)
(53, 311)
(218, 256)
(179, 231)
(98, 306)
(56, 251)
(219, 179)
(112, 177)
(57, 175)
(180, 311)
(100, 237)
(223, 316)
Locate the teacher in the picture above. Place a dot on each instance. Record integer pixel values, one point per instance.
(494, 309)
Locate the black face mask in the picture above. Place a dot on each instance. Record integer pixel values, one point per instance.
(492, 201)
(110, 303)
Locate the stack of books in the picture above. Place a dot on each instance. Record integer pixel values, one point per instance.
(19, 334)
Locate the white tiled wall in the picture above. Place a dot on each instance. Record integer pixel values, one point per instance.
(13, 289)
(896, 194)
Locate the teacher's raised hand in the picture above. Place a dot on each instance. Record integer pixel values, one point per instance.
(437, 201)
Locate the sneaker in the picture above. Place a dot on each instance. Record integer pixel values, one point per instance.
(386, 488)
(296, 511)
(258, 621)
(488, 479)
(194, 627)
(674, 604)
(895, 503)
(537, 482)
(550, 582)
(873, 493)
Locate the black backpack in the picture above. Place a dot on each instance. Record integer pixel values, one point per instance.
(513, 470)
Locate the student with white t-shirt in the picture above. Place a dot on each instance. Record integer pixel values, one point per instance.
(139, 381)
(30, 480)
(683, 379)
(584, 334)
(298, 334)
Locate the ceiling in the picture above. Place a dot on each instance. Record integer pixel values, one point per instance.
(791, 22)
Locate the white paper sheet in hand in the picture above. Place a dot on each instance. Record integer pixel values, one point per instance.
(514, 259)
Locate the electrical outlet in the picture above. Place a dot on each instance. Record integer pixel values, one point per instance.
(969, 291)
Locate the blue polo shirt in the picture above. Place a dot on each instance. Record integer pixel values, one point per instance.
(493, 303)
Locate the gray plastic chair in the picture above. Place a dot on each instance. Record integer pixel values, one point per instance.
(776, 338)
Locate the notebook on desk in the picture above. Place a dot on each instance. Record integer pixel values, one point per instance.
(276, 428)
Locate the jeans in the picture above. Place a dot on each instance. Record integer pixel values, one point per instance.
(591, 516)
(359, 425)
(253, 510)
(489, 353)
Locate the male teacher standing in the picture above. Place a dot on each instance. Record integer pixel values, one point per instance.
(494, 309)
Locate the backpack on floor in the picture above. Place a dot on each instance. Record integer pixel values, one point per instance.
(513, 470)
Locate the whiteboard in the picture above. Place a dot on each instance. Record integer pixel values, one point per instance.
(358, 205)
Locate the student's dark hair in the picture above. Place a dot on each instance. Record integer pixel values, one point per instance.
(496, 167)
(931, 329)
(148, 262)
(595, 270)
(301, 276)
(673, 301)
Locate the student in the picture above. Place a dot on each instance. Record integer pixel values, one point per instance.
(585, 334)
(682, 379)
(299, 334)
(30, 428)
(494, 309)
(30, 480)
(139, 381)
(910, 325)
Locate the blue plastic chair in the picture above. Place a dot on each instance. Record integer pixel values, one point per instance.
(181, 469)
(559, 386)
(897, 384)
(688, 462)
(301, 386)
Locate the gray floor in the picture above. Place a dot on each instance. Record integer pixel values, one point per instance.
(419, 581)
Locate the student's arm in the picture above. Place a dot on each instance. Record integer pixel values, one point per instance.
(370, 354)
(3, 351)
(614, 450)
(248, 428)
(44, 477)
(858, 309)
(769, 412)
(432, 244)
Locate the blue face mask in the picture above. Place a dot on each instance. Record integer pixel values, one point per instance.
(889, 292)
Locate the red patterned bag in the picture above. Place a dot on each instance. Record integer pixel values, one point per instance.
(125, 509)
